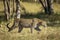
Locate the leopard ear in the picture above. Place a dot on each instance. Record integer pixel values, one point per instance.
(40, 23)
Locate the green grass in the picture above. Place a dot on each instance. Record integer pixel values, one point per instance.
(52, 32)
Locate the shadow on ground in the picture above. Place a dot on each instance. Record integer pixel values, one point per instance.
(52, 20)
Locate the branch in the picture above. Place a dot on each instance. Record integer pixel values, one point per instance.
(42, 3)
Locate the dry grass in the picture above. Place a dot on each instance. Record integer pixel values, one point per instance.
(51, 33)
(33, 7)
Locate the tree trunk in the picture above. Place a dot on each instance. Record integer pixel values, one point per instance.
(50, 6)
(6, 9)
(44, 5)
(13, 6)
(47, 5)
(13, 9)
(18, 9)
(8, 6)
(17, 15)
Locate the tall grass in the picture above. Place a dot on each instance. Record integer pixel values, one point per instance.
(49, 33)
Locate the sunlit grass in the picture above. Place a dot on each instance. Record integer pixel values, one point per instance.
(51, 33)
(1, 6)
(56, 8)
(33, 7)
